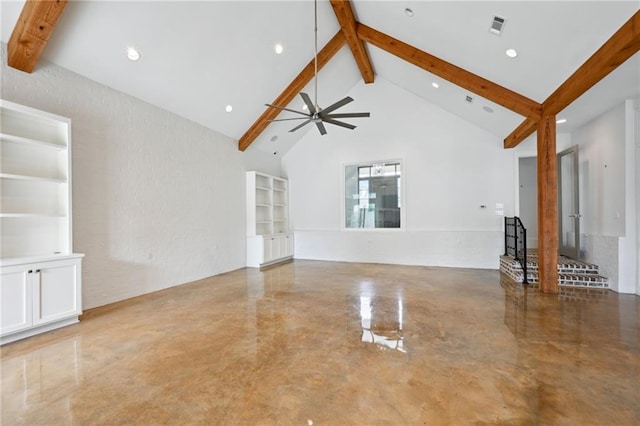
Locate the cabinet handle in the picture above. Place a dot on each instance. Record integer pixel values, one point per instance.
(37, 271)
(30, 271)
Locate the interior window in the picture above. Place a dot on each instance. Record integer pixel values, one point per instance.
(373, 195)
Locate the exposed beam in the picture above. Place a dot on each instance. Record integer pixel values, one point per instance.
(32, 31)
(298, 83)
(547, 205)
(524, 130)
(614, 52)
(456, 75)
(347, 20)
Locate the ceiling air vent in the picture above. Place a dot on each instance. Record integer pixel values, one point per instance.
(469, 99)
(497, 25)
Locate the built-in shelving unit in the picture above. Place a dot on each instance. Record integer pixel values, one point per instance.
(41, 278)
(269, 237)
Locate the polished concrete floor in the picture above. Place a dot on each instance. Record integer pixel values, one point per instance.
(328, 343)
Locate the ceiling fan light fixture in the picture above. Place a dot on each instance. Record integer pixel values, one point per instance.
(228, 108)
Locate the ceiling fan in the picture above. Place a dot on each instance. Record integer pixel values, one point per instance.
(314, 113)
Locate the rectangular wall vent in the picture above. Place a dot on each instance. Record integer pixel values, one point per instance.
(469, 99)
(497, 25)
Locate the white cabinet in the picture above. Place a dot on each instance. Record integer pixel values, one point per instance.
(40, 296)
(269, 240)
(265, 250)
(35, 219)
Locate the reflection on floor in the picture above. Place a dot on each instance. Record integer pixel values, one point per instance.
(411, 345)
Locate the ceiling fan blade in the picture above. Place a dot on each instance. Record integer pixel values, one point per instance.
(307, 101)
(320, 127)
(347, 115)
(287, 119)
(287, 109)
(300, 125)
(338, 123)
(337, 105)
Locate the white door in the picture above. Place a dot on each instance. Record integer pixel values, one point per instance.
(55, 293)
(15, 299)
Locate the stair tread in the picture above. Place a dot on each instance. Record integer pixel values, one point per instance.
(571, 273)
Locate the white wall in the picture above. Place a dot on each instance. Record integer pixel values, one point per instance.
(608, 194)
(157, 200)
(602, 168)
(450, 169)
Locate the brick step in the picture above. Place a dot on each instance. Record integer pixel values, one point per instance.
(571, 273)
(565, 265)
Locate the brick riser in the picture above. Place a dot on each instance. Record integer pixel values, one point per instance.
(571, 273)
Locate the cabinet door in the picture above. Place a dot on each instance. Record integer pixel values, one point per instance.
(55, 292)
(268, 253)
(288, 241)
(15, 299)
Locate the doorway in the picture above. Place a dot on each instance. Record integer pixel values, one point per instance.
(528, 196)
(568, 201)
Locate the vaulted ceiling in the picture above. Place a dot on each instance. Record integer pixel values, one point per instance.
(199, 57)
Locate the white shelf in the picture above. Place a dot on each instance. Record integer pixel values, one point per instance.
(35, 182)
(31, 178)
(268, 237)
(27, 141)
(19, 215)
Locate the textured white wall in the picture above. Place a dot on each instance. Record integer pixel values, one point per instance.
(157, 200)
(450, 169)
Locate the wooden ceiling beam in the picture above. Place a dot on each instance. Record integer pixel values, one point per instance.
(456, 75)
(614, 52)
(347, 20)
(32, 32)
(523, 131)
(298, 83)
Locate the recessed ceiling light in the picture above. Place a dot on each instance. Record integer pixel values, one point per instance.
(511, 53)
(228, 108)
(133, 54)
(487, 109)
(435, 85)
(278, 48)
(409, 12)
(561, 121)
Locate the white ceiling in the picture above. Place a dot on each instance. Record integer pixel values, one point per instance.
(197, 57)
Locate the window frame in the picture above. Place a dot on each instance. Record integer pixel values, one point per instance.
(403, 201)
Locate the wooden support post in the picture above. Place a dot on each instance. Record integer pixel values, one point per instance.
(547, 205)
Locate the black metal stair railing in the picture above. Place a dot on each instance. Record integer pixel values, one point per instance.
(515, 242)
